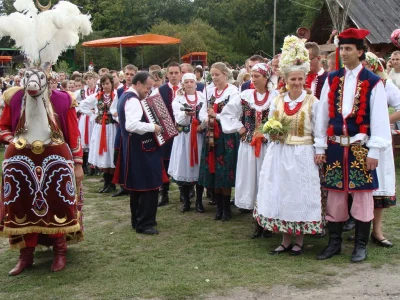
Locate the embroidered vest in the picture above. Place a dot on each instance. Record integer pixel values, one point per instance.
(338, 121)
(319, 84)
(104, 107)
(140, 158)
(252, 120)
(301, 127)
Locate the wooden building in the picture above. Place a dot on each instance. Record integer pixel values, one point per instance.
(380, 17)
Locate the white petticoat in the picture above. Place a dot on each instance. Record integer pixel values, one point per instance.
(106, 160)
(179, 166)
(247, 175)
(289, 184)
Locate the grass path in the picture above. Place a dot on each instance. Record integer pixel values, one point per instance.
(193, 255)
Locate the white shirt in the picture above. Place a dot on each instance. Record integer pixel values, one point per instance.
(134, 115)
(380, 137)
(89, 105)
(395, 77)
(155, 92)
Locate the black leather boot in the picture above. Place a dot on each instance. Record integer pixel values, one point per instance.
(218, 201)
(361, 241)
(164, 199)
(106, 182)
(121, 192)
(226, 208)
(186, 198)
(192, 193)
(111, 186)
(335, 241)
(350, 224)
(199, 198)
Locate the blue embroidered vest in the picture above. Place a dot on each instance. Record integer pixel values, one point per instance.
(345, 169)
(140, 157)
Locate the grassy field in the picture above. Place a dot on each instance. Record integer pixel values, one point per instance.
(193, 256)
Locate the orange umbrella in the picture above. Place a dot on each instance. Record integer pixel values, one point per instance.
(133, 41)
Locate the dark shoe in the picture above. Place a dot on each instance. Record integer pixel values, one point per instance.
(258, 231)
(212, 196)
(148, 231)
(106, 183)
(296, 252)
(361, 241)
(121, 192)
(245, 211)
(351, 238)
(60, 252)
(218, 200)
(226, 207)
(285, 249)
(232, 202)
(110, 188)
(349, 225)
(25, 261)
(212, 202)
(199, 206)
(335, 241)
(383, 243)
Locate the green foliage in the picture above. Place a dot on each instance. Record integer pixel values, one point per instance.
(63, 66)
(229, 30)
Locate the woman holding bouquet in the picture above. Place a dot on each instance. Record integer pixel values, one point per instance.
(246, 115)
(289, 196)
(219, 154)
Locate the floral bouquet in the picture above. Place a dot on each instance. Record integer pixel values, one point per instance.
(277, 129)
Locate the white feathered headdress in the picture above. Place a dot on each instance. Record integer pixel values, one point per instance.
(43, 36)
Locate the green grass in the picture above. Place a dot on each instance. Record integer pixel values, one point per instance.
(193, 256)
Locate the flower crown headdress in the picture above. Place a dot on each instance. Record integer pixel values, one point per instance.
(294, 56)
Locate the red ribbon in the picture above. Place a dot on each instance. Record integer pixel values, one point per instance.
(211, 155)
(194, 149)
(87, 130)
(256, 142)
(103, 135)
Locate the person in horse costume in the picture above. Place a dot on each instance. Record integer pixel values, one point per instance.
(41, 200)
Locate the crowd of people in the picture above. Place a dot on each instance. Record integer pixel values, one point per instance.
(333, 164)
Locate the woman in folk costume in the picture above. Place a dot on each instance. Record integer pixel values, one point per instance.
(186, 150)
(246, 115)
(42, 167)
(101, 149)
(289, 195)
(219, 154)
(86, 121)
(385, 196)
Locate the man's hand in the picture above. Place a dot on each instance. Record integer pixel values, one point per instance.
(372, 163)
(78, 174)
(157, 129)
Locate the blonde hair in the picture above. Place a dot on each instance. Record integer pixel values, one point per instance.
(222, 67)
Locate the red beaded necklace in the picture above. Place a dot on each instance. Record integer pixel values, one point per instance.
(220, 94)
(191, 103)
(293, 111)
(260, 102)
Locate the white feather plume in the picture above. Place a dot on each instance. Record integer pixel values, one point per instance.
(44, 36)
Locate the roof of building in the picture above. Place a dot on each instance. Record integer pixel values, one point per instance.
(381, 18)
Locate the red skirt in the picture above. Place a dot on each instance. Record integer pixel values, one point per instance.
(39, 193)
